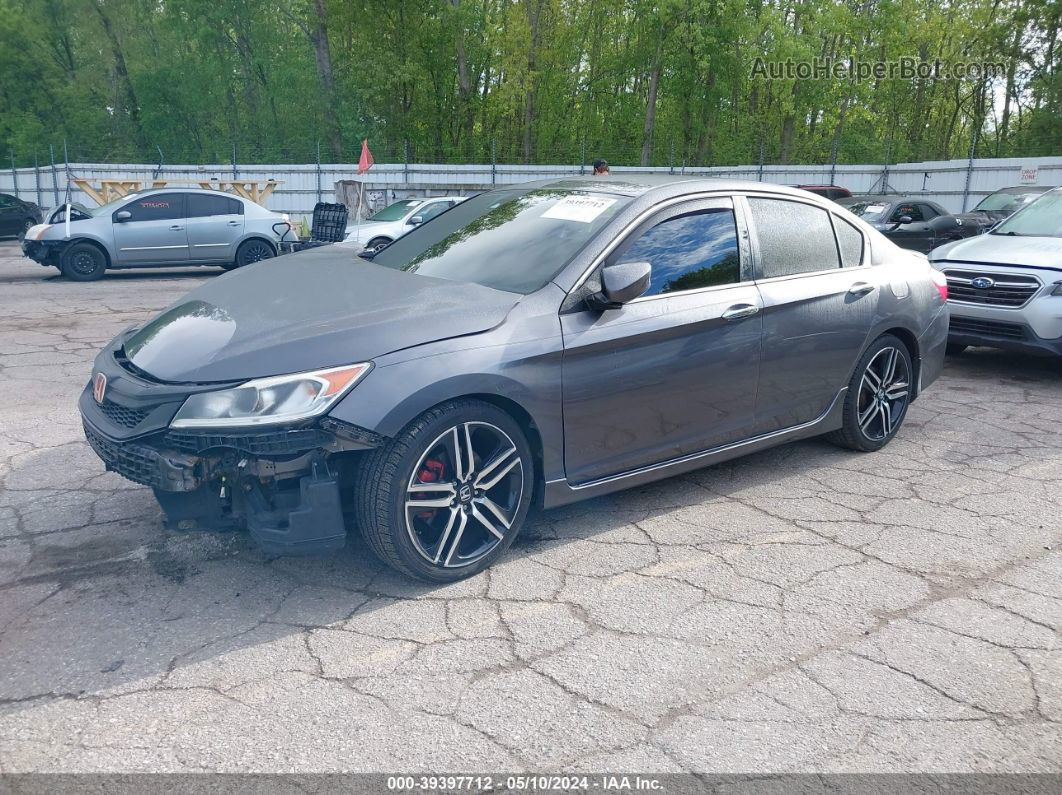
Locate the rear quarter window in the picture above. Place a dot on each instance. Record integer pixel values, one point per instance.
(849, 242)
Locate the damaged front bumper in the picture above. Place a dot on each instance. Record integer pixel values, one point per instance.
(281, 484)
(44, 252)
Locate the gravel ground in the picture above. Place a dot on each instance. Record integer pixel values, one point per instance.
(803, 609)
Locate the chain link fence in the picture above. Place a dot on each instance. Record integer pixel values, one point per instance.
(308, 172)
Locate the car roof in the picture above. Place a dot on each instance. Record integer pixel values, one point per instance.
(888, 197)
(658, 185)
(185, 189)
(1026, 189)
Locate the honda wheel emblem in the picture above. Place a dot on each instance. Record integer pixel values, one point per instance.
(99, 386)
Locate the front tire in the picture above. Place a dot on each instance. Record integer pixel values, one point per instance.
(377, 244)
(878, 396)
(252, 251)
(447, 496)
(83, 262)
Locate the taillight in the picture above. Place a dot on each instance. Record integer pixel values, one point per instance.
(940, 281)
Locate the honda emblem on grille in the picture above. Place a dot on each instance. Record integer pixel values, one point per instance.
(99, 386)
(982, 282)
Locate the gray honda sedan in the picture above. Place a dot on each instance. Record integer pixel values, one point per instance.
(156, 228)
(537, 344)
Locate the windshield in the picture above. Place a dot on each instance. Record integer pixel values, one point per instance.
(868, 211)
(513, 240)
(394, 212)
(104, 209)
(1005, 202)
(1041, 218)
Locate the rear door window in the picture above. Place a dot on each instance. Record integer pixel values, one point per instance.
(202, 204)
(793, 238)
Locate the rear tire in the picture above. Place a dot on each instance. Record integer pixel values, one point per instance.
(475, 473)
(83, 262)
(878, 396)
(250, 252)
(954, 349)
(27, 225)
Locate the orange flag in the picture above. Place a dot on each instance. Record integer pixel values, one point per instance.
(366, 161)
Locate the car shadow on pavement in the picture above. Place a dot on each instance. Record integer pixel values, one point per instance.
(98, 600)
(145, 274)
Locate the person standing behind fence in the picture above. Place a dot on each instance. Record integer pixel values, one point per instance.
(600, 168)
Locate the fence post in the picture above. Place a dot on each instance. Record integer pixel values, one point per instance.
(672, 171)
(405, 161)
(318, 170)
(37, 177)
(760, 173)
(55, 176)
(14, 176)
(969, 169)
(493, 161)
(235, 171)
(582, 157)
(833, 162)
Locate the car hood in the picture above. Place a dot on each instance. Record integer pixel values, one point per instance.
(320, 308)
(1033, 252)
(369, 228)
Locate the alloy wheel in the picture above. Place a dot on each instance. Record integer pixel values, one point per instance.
(256, 252)
(884, 392)
(464, 494)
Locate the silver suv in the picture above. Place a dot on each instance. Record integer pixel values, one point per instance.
(1005, 287)
(156, 228)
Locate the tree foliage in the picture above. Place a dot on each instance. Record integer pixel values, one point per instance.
(660, 82)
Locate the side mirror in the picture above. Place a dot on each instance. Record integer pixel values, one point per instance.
(620, 284)
(905, 219)
(416, 220)
(122, 216)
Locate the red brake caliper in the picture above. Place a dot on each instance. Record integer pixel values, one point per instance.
(433, 472)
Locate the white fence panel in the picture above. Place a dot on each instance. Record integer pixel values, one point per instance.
(301, 186)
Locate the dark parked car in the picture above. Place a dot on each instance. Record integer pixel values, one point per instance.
(1004, 203)
(539, 343)
(833, 192)
(17, 216)
(911, 221)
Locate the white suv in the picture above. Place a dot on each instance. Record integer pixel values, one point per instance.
(1005, 287)
(396, 219)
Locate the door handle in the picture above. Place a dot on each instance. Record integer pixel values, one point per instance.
(738, 311)
(861, 288)
(176, 228)
(234, 223)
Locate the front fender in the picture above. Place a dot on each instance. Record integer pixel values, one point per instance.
(525, 374)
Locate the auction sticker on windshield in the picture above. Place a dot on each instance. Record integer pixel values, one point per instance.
(578, 208)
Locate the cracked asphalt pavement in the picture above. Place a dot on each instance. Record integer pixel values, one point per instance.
(802, 609)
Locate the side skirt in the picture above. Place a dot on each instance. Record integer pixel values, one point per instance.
(561, 492)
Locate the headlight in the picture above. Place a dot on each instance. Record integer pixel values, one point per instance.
(267, 401)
